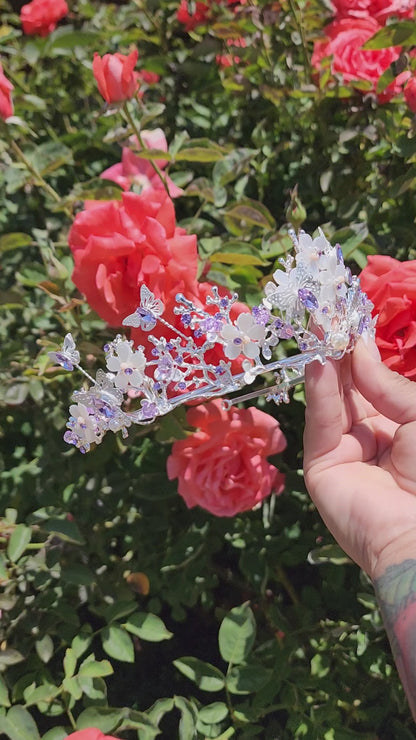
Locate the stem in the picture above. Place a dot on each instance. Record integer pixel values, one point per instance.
(294, 9)
(71, 717)
(283, 579)
(39, 180)
(138, 134)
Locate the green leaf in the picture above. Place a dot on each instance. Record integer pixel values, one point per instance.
(206, 676)
(200, 150)
(18, 542)
(78, 574)
(19, 724)
(45, 648)
(65, 40)
(72, 686)
(385, 79)
(148, 627)
(249, 212)
(198, 154)
(57, 733)
(215, 712)
(396, 34)
(230, 258)
(44, 693)
(96, 668)
(247, 679)
(152, 154)
(104, 718)
(118, 610)
(49, 156)
(134, 720)
(237, 634)
(9, 656)
(150, 112)
(159, 709)
(64, 528)
(229, 732)
(328, 554)
(82, 641)
(16, 240)
(4, 693)
(117, 643)
(70, 663)
(188, 719)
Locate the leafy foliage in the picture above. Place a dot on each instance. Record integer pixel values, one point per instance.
(121, 609)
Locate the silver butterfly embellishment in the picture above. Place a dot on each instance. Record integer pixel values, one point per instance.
(68, 356)
(146, 315)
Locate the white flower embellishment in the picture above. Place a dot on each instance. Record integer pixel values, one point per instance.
(81, 424)
(127, 364)
(243, 337)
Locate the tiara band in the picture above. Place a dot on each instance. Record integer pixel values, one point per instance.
(314, 299)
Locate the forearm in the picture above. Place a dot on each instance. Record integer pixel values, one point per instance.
(396, 593)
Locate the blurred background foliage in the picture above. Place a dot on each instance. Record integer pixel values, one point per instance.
(120, 608)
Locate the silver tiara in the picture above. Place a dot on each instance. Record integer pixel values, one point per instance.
(314, 300)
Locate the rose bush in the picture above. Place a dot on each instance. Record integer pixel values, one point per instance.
(196, 13)
(343, 41)
(6, 103)
(121, 244)
(115, 75)
(222, 467)
(380, 10)
(391, 286)
(40, 17)
(134, 170)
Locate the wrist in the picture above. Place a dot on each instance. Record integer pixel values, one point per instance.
(398, 550)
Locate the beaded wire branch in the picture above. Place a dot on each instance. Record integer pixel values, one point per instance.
(314, 300)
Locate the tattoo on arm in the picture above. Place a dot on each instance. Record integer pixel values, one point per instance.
(396, 594)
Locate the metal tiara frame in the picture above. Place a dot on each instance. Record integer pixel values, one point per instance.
(313, 299)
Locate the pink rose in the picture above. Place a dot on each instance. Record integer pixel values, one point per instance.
(222, 467)
(41, 16)
(189, 19)
(380, 10)
(343, 42)
(90, 734)
(134, 170)
(391, 286)
(115, 76)
(410, 94)
(6, 103)
(119, 245)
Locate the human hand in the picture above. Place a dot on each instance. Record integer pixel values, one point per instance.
(360, 457)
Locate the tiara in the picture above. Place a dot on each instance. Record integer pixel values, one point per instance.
(314, 300)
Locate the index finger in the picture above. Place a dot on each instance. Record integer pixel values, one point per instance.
(323, 415)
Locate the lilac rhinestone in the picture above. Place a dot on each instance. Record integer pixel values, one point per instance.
(64, 361)
(308, 299)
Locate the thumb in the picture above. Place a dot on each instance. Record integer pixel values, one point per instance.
(390, 393)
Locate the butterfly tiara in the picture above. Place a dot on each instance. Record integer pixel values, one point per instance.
(314, 300)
